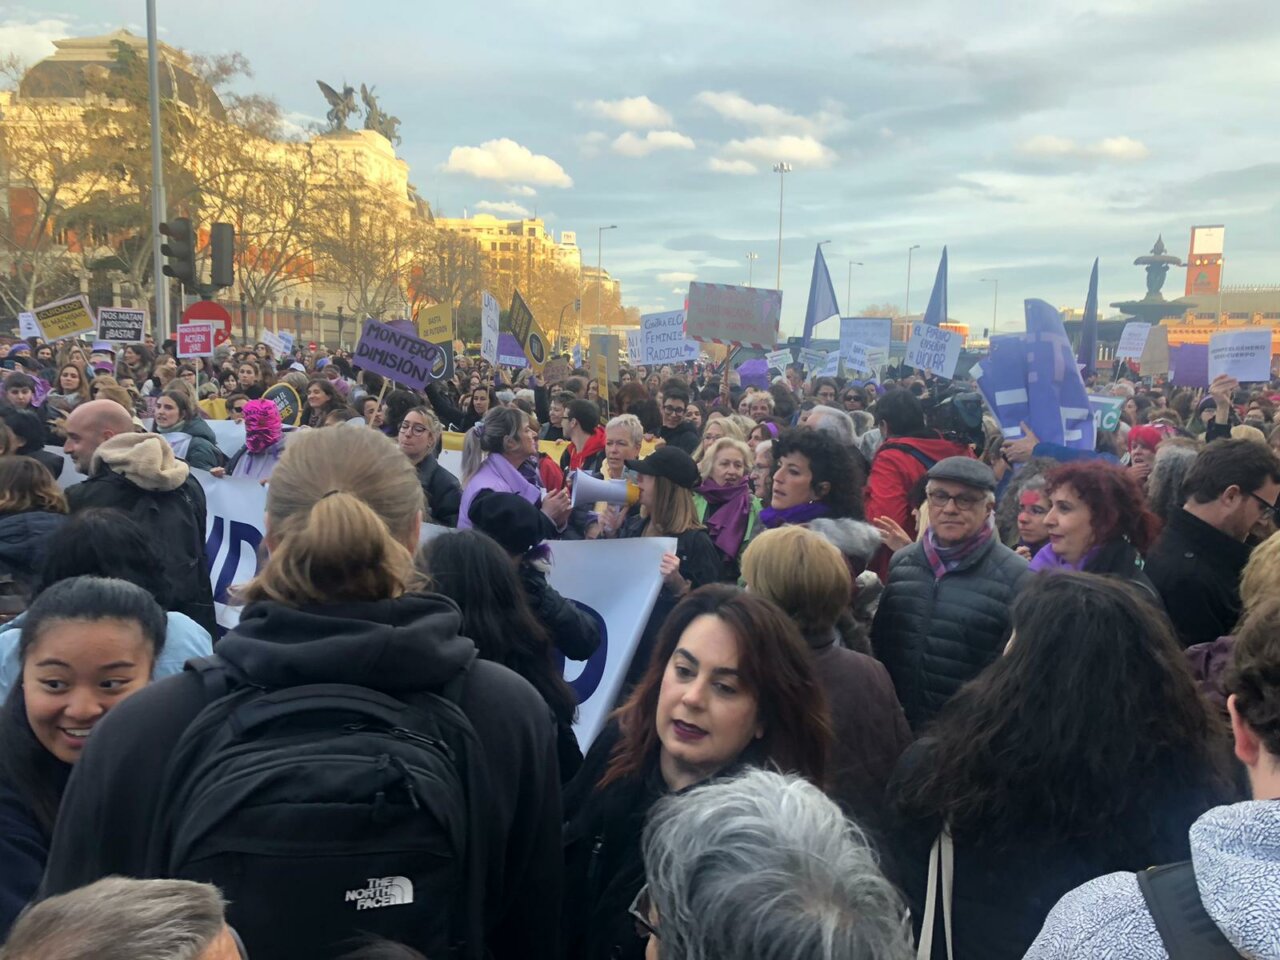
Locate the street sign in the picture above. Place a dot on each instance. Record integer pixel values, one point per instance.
(206, 311)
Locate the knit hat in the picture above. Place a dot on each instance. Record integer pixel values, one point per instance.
(510, 519)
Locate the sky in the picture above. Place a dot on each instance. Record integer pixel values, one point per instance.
(1028, 138)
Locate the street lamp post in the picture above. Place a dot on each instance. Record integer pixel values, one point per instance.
(751, 264)
(781, 169)
(995, 299)
(906, 310)
(600, 267)
(848, 290)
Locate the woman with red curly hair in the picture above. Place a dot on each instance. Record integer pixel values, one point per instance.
(1144, 440)
(1098, 522)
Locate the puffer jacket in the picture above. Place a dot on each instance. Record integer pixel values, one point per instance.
(24, 539)
(935, 635)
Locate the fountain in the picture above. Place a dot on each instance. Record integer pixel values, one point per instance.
(1154, 307)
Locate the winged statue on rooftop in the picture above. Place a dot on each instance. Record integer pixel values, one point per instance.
(341, 105)
(376, 119)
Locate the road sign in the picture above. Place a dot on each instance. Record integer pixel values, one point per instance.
(206, 311)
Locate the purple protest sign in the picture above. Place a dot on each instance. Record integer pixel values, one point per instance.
(1189, 363)
(397, 356)
(754, 373)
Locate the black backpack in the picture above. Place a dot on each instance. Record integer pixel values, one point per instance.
(329, 811)
(1184, 925)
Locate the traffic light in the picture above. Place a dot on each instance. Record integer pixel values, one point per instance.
(181, 251)
(222, 248)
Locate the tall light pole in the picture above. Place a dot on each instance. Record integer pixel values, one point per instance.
(906, 310)
(995, 299)
(751, 266)
(160, 319)
(781, 169)
(600, 267)
(848, 290)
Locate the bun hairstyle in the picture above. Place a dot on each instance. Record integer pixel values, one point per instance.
(340, 506)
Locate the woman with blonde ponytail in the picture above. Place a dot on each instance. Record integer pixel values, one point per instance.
(337, 601)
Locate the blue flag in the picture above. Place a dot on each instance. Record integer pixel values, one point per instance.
(822, 297)
(1088, 353)
(936, 313)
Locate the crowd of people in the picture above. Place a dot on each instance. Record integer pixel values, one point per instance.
(908, 686)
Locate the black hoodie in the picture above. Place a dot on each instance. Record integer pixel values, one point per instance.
(685, 436)
(394, 646)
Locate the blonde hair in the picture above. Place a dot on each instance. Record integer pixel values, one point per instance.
(709, 461)
(673, 511)
(1261, 576)
(629, 422)
(732, 429)
(744, 424)
(1244, 431)
(802, 572)
(25, 484)
(340, 505)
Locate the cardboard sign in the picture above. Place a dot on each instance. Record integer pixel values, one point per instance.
(65, 318)
(1243, 354)
(662, 339)
(274, 343)
(121, 324)
(195, 339)
(435, 324)
(519, 318)
(556, 371)
(399, 357)
(1106, 412)
(606, 345)
(600, 370)
(934, 349)
(27, 326)
(1132, 340)
(720, 313)
(812, 360)
(778, 359)
(1155, 355)
(287, 402)
(635, 346)
(489, 328)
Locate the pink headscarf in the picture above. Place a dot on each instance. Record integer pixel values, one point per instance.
(262, 426)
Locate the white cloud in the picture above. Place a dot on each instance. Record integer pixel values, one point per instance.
(640, 112)
(803, 151)
(502, 208)
(677, 276)
(520, 190)
(507, 161)
(630, 145)
(32, 41)
(590, 144)
(733, 106)
(1112, 148)
(736, 167)
(299, 125)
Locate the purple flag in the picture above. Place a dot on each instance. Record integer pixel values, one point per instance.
(1088, 353)
(822, 296)
(936, 313)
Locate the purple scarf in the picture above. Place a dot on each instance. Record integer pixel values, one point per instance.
(1046, 559)
(946, 560)
(801, 513)
(728, 511)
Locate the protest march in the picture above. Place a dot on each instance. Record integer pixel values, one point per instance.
(379, 583)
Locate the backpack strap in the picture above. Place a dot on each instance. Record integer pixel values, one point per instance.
(217, 675)
(1184, 925)
(920, 456)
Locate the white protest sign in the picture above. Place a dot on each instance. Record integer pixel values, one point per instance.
(274, 343)
(287, 340)
(778, 359)
(1132, 340)
(489, 328)
(121, 324)
(1243, 354)
(662, 339)
(874, 332)
(635, 346)
(934, 349)
(577, 358)
(812, 360)
(27, 326)
(831, 366)
(855, 356)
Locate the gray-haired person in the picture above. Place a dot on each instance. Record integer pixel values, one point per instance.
(122, 919)
(764, 866)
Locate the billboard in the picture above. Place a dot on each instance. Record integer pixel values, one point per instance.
(1204, 263)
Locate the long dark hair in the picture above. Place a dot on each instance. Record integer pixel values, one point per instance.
(37, 776)
(1090, 719)
(479, 576)
(774, 664)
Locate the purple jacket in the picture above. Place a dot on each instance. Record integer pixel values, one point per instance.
(496, 473)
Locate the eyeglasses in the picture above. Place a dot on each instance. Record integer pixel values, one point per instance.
(938, 500)
(674, 411)
(1268, 509)
(640, 909)
(417, 429)
(238, 408)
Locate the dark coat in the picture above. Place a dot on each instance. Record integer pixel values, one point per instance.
(442, 490)
(407, 645)
(936, 635)
(1196, 569)
(52, 462)
(24, 540)
(1120, 559)
(684, 436)
(572, 630)
(24, 848)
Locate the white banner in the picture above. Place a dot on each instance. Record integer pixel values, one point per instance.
(275, 343)
(1132, 340)
(489, 328)
(662, 339)
(635, 346)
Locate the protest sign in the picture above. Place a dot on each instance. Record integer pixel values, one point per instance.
(397, 356)
(577, 355)
(606, 345)
(121, 324)
(873, 332)
(812, 360)
(273, 343)
(194, 339)
(1154, 361)
(287, 339)
(600, 371)
(287, 402)
(720, 313)
(855, 357)
(1106, 412)
(556, 371)
(779, 359)
(65, 318)
(635, 346)
(442, 362)
(435, 324)
(1189, 364)
(510, 353)
(662, 339)
(535, 348)
(831, 366)
(489, 328)
(934, 349)
(1132, 340)
(519, 318)
(27, 326)
(1243, 354)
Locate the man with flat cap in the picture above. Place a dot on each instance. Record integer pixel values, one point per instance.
(945, 613)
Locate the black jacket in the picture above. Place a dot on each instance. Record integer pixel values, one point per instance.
(51, 461)
(450, 413)
(1196, 569)
(24, 539)
(936, 635)
(443, 492)
(572, 630)
(684, 436)
(406, 645)
(185, 560)
(23, 851)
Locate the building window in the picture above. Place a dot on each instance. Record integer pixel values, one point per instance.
(1237, 316)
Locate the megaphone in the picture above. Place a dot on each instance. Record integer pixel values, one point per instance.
(588, 490)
